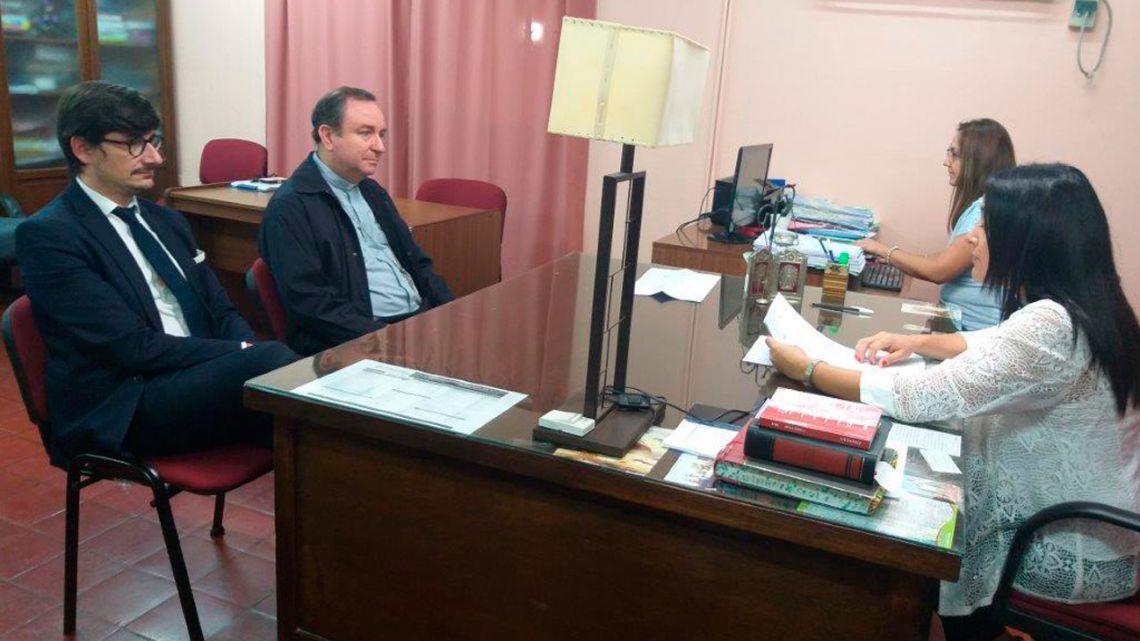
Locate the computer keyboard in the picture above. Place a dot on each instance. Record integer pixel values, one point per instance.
(881, 276)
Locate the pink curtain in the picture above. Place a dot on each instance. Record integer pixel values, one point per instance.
(466, 92)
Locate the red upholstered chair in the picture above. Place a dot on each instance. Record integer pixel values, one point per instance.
(1052, 621)
(211, 472)
(466, 193)
(227, 159)
(259, 283)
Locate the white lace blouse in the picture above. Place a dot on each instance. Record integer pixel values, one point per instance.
(1040, 428)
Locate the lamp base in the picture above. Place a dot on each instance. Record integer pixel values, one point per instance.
(613, 435)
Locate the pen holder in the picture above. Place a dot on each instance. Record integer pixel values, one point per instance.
(834, 283)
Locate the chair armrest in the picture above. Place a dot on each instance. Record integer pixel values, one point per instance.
(1060, 512)
(11, 207)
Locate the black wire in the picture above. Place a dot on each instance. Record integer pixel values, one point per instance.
(609, 391)
(701, 214)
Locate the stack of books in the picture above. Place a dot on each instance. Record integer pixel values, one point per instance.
(810, 447)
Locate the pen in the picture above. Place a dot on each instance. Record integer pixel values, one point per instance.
(830, 254)
(843, 308)
(826, 253)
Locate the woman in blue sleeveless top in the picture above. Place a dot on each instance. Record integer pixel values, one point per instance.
(979, 148)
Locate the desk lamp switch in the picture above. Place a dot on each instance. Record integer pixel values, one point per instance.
(568, 422)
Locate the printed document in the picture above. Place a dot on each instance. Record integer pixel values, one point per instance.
(700, 439)
(787, 326)
(412, 396)
(925, 439)
(682, 284)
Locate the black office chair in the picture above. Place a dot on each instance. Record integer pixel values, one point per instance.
(1052, 621)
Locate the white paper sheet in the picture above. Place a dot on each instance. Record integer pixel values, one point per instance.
(787, 326)
(702, 440)
(682, 284)
(925, 439)
(940, 462)
(414, 396)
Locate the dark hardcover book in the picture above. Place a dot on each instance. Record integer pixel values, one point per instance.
(821, 456)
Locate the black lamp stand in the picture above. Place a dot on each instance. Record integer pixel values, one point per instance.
(614, 432)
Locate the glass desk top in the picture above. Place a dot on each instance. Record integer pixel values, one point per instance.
(530, 334)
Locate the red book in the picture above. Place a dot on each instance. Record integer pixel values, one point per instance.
(821, 417)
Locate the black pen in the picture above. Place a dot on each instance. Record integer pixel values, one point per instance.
(843, 308)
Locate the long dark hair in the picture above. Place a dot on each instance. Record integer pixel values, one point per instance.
(985, 147)
(1048, 238)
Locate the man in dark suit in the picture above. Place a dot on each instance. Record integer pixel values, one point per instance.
(146, 354)
(344, 261)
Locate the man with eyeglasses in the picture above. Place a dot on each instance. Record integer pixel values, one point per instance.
(146, 354)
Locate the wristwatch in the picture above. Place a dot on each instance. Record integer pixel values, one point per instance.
(809, 371)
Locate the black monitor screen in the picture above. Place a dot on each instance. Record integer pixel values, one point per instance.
(749, 181)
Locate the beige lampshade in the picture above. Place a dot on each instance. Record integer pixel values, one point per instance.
(627, 84)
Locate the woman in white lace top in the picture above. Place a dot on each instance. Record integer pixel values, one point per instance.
(1041, 394)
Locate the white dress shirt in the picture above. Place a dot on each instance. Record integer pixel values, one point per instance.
(169, 311)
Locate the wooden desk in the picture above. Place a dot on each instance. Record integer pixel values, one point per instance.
(391, 530)
(463, 242)
(691, 248)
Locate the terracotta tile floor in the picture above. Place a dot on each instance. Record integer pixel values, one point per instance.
(125, 588)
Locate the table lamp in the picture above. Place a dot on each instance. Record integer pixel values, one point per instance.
(632, 86)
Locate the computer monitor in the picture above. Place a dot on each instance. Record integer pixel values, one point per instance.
(749, 187)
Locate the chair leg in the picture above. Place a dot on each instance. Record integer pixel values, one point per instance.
(177, 564)
(219, 511)
(71, 549)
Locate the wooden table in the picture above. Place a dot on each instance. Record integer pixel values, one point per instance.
(463, 242)
(691, 248)
(392, 530)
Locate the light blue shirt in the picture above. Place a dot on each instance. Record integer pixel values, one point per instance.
(390, 287)
(980, 305)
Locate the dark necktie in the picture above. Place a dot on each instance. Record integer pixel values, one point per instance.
(197, 319)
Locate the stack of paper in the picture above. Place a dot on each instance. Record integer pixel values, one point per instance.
(820, 217)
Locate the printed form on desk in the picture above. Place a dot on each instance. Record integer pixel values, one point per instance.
(412, 396)
(787, 326)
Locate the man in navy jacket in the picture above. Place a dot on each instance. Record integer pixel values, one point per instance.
(344, 262)
(146, 354)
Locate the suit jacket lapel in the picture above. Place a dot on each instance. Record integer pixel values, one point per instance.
(108, 239)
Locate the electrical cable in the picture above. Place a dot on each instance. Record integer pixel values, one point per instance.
(701, 214)
(1103, 45)
(612, 393)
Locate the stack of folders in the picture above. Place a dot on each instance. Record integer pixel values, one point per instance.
(810, 447)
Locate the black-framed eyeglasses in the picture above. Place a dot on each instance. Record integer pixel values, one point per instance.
(137, 146)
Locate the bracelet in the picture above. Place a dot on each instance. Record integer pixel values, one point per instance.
(889, 252)
(808, 372)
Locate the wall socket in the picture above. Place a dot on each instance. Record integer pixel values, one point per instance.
(1084, 14)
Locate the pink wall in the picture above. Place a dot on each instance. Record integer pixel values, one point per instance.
(861, 98)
